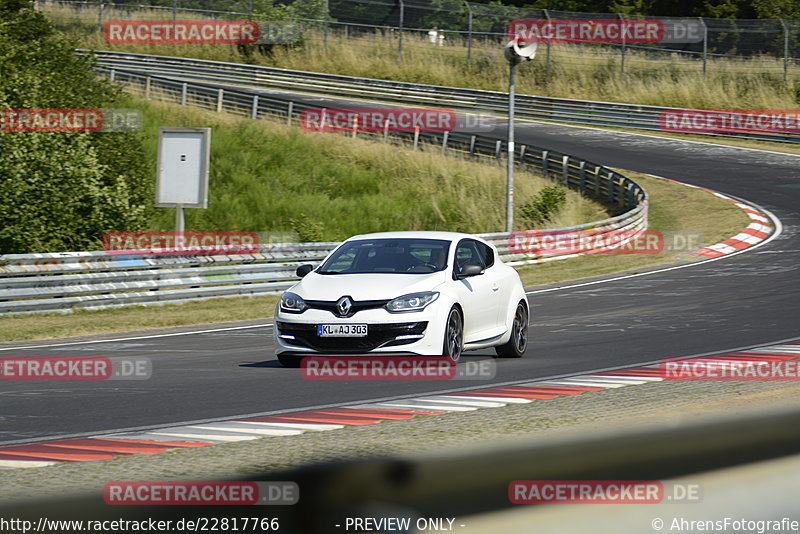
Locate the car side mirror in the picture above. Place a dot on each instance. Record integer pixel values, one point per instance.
(471, 269)
(304, 270)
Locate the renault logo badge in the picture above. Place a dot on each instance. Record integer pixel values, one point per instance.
(344, 305)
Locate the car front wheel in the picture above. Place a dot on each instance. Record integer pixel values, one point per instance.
(518, 341)
(453, 336)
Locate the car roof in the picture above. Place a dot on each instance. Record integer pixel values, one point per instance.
(447, 236)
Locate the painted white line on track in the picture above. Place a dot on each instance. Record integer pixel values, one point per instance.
(245, 428)
(488, 396)
(149, 336)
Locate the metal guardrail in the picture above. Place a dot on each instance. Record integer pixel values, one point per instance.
(68, 280)
(584, 112)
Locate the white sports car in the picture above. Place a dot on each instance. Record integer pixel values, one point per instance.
(422, 293)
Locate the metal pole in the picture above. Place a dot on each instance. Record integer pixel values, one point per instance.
(705, 45)
(250, 8)
(510, 163)
(174, 10)
(622, 58)
(179, 221)
(400, 40)
(325, 27)
(469, 34)
(100, 15)
(785, 51)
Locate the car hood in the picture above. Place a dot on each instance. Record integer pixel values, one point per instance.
(373, 286)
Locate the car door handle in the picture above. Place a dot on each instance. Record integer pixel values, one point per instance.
(495, 287)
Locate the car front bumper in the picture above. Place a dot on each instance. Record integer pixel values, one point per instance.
(420, 333)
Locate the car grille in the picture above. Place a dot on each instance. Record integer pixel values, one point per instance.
(379, 335)
(357, 306)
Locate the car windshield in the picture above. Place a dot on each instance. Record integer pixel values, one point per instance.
(411, 256)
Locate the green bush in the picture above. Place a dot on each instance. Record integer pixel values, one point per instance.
(61, 191)
(544, 205)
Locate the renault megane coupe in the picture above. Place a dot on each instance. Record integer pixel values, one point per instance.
(416, 293)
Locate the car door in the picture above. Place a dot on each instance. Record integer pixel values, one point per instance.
(477, 294)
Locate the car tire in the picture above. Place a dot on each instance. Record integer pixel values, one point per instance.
(292, 362)
(453, 335)
(518, 341)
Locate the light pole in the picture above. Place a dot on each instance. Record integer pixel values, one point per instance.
(514, 54)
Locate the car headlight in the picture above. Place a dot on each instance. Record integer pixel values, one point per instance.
(292, 303)
(412, 302)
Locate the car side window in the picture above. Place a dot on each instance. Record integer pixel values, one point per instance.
(469, 252)
(487, 253)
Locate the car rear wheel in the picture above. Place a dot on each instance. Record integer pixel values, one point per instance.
(453, 336)
(518, 341)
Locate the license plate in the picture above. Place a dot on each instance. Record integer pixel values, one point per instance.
(341, 330)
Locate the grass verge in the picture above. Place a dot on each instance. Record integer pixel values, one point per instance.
(269, 177)
(673, 207)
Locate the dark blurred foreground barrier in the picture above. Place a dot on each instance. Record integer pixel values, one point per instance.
(462, 483)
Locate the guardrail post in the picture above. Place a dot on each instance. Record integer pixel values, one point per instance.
(254, 110)
(611, 185)
(582, 174)
(184, 90)
(565, 170)
(386, 132)
(445, 135)
(522, 150)
(355, 126)
(220, 95)
(472, 145)
(785, 51)
(289, 114)
(112, 75)
(147, 88)
(597, 180)
(497, 148)
(544, 162)
(416, 137)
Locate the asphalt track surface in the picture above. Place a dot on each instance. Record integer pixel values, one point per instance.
(744, 300)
